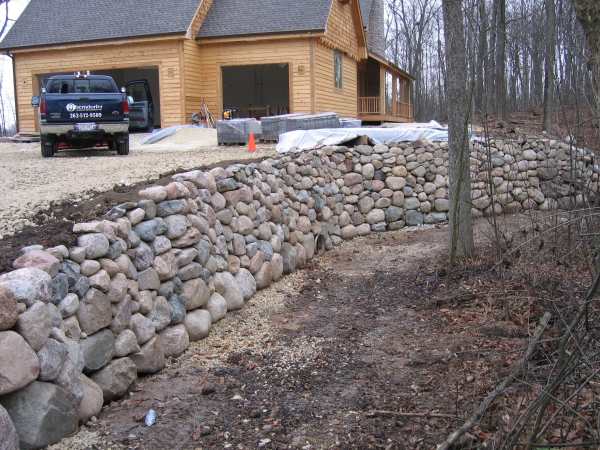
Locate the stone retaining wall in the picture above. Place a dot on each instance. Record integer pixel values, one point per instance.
(77, 325)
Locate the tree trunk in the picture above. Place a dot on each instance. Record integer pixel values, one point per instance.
(458, 107)
(588, 14)
(501, 62)
(491, 64)
(549, 64)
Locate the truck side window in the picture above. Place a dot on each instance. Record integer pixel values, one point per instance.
(64, 89)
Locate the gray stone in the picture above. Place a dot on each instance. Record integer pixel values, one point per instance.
(246, 283)
(151, 357)
(170, 207)
(228, 184)
(148, 279)
(290, 258)
(198, 324)
(175, 341)
(435, 217)
(8, 434)
(89, 267)
(122, 315)
(441, 205)
(217, 307)
(178, 305)
(146, 230)
(161, 313)
(19, 365)
(414, 218)
(264, 276)
(40, 280)
(176, 226)
(92, 401)
(266, 248)
(118, 288)
(412, 203)
(42, 413)
(98, 350)
(185, 256)
(60, 287)
(51, 357)
(95, 244)
(94, 312)
(394, 213)
(100, 280)
(160, 244)
(165, 265)
(115, 378)
(141, 256)
(126, 343)
(80, 286)
(203, 247)
(22, 291)
(69, 379)
(142, 327)
(195, 293)
(116, 249)
(68, 305)
(189, 271)
(227, 286)
(72, 328)
(55, 316)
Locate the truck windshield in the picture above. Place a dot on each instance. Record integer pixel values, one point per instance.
(79, 86)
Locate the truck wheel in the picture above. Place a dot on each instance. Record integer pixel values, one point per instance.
(112, 145)
(123, 149)
(48, 150)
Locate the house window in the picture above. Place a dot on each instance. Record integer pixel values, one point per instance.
(337, 69)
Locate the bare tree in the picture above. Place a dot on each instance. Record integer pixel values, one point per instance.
(458, 107)
(549, 64)
(588, 14)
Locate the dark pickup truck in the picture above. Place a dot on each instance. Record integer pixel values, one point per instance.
(83, 111)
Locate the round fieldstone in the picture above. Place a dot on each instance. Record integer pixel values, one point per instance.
(95, 244)
(198, 324)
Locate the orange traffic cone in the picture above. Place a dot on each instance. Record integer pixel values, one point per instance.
(251, 143)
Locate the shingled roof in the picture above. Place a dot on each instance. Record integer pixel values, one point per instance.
(365, 10)
(50, 22)
(254, 17)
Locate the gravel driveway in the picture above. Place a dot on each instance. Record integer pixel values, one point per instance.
(30, 183)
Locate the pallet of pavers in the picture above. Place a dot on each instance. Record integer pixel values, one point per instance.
(272, 126)
(350, 123)
(236, 131)
(311, 122)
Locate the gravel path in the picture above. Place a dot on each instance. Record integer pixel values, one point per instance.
(30, 183)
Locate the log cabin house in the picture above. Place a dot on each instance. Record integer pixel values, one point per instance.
(263, 57)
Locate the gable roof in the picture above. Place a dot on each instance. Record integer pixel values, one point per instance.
(51, 22)
(228, 18)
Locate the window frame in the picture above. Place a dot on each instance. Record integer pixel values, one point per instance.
(338, 70)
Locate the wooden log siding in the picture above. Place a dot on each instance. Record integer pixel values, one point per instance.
(165, 54)
(328, 98)
(192, 84)
(294, 52)
(340, 30)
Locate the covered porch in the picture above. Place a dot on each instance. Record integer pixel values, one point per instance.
(383, 92)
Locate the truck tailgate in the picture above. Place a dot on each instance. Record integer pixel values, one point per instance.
(88, 108)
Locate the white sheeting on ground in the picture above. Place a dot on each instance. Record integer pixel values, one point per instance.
(301, 140)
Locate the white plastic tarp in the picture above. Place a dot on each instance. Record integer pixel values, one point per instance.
(301, 140)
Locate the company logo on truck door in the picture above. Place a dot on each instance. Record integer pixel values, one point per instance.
(72, 107)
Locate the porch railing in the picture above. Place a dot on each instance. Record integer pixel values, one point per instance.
(371, 105)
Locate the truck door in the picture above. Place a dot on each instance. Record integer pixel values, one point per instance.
(141, 107)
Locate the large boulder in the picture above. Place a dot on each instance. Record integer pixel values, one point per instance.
(175, 340)
(98, 350)
(195, 293)
(246, 282)
(227, 286)
(40, 260)
(40, 280)
(19, 365)
(217, 307)
(198, 324)
(52, 357)
(9, 439)
(115, 378)
(151, 357)
(94, 312)
(42, 413)
(92, 401)
(35, 325)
